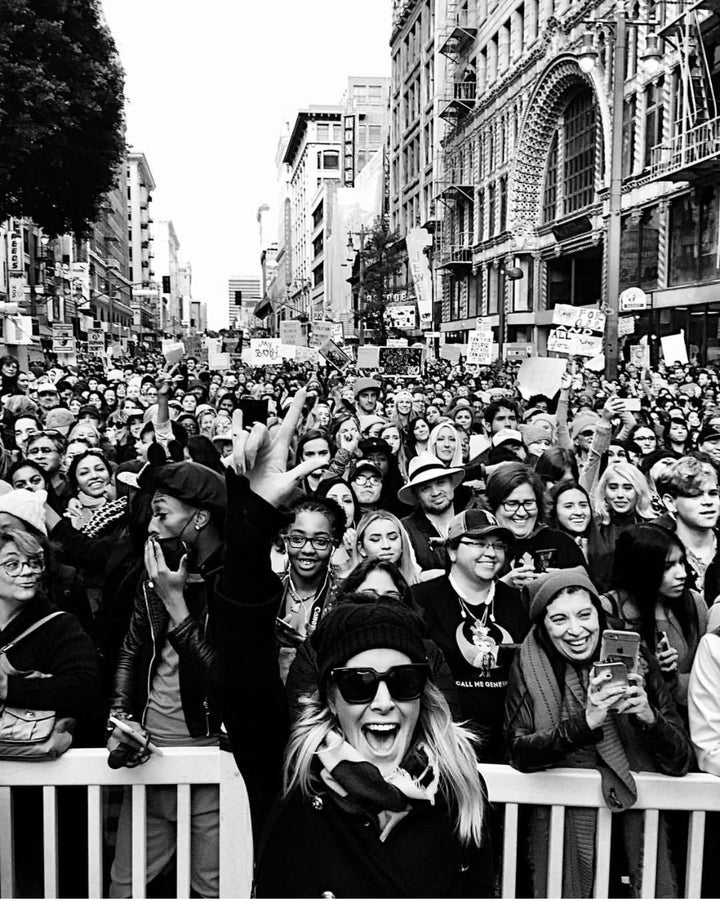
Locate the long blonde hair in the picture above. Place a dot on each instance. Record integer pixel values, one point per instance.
(457, 459)
(407, 564)
(643, 504)
(448, 742)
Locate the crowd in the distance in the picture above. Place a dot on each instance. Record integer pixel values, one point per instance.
(362, 585)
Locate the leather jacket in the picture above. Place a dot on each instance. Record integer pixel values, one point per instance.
(193, 640)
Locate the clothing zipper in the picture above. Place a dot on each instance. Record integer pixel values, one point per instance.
(206, 705)
(152, 659)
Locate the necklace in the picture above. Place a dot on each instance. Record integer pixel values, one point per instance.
(478, 625)
(299, 603)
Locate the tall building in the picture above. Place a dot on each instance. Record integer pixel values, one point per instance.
(145, 294)
(243, 297)
(167, 247)
(523, 113)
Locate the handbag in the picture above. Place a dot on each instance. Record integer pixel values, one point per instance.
(32, 734)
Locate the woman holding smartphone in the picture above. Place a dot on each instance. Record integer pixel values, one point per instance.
(559, 713)
(650, 593)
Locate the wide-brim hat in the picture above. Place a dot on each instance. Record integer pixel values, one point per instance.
(424, 468)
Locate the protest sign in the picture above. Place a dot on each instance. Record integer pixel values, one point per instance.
(321, 332)
(579, 318)
(565, 341)
(63, 341)
(306, 355)
(219, 361)
(173, 351)
(397, 342)
(96, 342)
(518, 350)
(335, 355)
(480, 348)
(402, 362)
(540, 375)
(291, 332)
(640, 356)
(265, 352)
(596, 364)
(367, 356)
(626, 326)
(674, 349)
(287, 351)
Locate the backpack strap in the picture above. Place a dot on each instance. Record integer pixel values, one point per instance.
(41, 622)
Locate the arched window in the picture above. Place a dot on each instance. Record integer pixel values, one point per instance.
(570, 174)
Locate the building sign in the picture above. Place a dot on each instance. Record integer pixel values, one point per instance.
(16, 288)
(349, 151)
(417, 239)
(287, 239)
(80, 280)
(16, 258)
(633, 299)
(401, 316)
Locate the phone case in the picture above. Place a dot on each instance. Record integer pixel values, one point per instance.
(620, 647)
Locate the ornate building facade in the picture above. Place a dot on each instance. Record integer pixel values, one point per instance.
(523, 124)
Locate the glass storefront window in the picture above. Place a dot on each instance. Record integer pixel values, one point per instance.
(694, 252)
(639, 250)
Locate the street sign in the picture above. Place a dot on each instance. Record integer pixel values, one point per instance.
(633, 299)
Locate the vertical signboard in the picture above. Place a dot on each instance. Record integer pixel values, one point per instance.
(417, 239)
(349, 151)
(287, 238)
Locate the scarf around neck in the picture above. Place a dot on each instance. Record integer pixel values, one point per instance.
(359, 787)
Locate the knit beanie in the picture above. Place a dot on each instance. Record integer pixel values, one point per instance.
(584, 420)
(353, 628)
(537, 431)
(546, 586)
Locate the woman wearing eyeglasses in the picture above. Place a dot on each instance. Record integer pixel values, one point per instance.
(380, 792)
(516, 496)
(309, 584)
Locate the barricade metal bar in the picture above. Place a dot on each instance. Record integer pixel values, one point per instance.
(602, 853)
(509, 861)
(183, 846)
(696, 841)
(50, 838)
(95, 841)
(7, 861)
(650, 850)
(555, 851)
(139, 842)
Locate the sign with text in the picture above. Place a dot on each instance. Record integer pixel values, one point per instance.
(306, 355)
(219, 361)
(401, 362)
(579, 318)
(632, 299)
(291, 332)
(480, 348)
(674, 349)
(265, 352)
(576, 344)
(16, 282)
(321, 332)
(397, 342)
(63, 341)
(626, 326)
(173, 351)
(335, 355)
(518, 350)
(96, 342)
(417, 240)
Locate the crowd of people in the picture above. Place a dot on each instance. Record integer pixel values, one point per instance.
(363, 585)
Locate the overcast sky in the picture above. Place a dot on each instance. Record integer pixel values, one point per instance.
(209, 85)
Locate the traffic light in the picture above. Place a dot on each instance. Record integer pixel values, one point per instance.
(166, 284)
(238, 297)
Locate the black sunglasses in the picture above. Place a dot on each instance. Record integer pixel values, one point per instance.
(359, 685)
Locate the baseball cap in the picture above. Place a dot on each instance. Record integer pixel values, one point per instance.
(476, 523)
(364, 464)
(709, 432)
(59, 420)
(504, 436)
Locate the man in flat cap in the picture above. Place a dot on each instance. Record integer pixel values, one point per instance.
(166, 669)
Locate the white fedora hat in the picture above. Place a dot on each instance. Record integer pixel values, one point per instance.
(424, 468)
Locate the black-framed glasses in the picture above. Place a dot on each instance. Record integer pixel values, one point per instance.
(367, 479)
(499, 547)
(15, 567)
(298, 540)
(514, 506)
(359, 685)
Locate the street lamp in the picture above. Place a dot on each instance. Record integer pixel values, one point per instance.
(360, 309)
(587, 58)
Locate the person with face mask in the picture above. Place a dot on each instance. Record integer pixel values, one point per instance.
(167, 665)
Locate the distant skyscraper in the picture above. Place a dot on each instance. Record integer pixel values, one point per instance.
(243, 296)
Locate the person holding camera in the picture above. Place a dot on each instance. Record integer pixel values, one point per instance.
(562, 711)
(166, 672)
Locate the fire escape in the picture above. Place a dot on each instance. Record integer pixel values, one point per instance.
(455, 185)
(693, 149)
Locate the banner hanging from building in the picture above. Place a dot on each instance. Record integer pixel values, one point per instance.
(417, 239)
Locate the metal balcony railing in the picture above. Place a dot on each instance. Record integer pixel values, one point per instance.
(455, 256)
(690, 154)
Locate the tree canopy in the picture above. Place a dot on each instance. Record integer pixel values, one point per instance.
(61, 112)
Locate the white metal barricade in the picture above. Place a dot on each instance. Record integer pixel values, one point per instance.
(182, 767)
